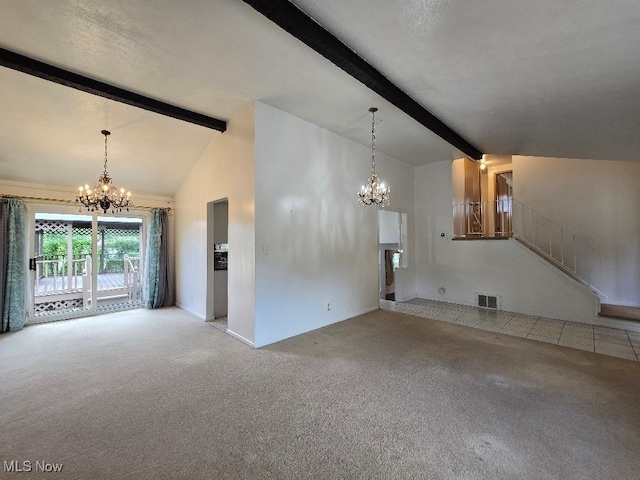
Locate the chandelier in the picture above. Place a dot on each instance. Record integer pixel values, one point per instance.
(104, 195)
(374, 192)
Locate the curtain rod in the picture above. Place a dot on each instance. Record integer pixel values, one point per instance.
(53, 200)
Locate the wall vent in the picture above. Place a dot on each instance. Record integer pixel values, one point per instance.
(487, 301)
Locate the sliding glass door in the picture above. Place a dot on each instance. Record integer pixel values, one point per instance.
(118, 262)
(84, 264)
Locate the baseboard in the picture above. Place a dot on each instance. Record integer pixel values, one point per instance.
(366, 310)
(288, 335)
(201, 317)
(241, 338)
(409, 298)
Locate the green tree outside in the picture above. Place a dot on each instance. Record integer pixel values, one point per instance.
(115, 248)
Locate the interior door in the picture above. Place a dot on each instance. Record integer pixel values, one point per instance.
(504, 196)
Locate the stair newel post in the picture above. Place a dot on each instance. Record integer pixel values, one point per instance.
(562, 245)
(533, 228)
(588, 268)
(575, 264)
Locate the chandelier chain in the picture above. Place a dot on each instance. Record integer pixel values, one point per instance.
(105, 154)
(373, 141)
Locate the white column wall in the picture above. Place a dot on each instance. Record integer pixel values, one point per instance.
(315, 245)
(388, 227)
(225, 169)
(599, 200)
(526, 283)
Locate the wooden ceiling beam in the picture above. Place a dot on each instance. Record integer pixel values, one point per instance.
(58, 75)
(291, 19)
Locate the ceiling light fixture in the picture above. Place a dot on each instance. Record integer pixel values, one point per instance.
(104, 195)
(374, 192)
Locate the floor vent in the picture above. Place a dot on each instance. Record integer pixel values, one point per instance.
(487, 301)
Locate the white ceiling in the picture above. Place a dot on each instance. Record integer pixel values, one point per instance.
(544, 78)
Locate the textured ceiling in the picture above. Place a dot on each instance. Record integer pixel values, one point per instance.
(543, 78)
(548, 78)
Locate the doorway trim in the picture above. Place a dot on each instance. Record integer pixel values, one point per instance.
(216, 234)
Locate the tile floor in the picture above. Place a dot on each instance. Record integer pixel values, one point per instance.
(604, 340)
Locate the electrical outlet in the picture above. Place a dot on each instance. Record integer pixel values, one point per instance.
(442, 290)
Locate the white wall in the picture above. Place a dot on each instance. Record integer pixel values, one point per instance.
(225, 169)
(526, 283)
(315, 245)
(389, 228)
(599, 200)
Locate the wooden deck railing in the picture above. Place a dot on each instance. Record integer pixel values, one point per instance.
(129, 288)
(57, 278)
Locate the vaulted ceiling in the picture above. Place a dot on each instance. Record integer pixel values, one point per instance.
(544, 78)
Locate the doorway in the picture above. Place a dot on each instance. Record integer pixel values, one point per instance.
(390, 264)
(482, 197)
(392, 257)
(504, 204)
(84, 264)
(217, 262)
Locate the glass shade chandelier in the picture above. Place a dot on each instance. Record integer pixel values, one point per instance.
(374, 192)
(104, 195)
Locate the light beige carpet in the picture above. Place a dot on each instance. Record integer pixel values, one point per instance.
(155, 395)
